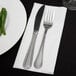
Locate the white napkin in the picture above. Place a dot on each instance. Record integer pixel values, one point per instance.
(52, 40)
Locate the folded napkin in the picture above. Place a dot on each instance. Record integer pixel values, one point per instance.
(51, 43)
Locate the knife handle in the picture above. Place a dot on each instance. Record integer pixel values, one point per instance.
(29, 56)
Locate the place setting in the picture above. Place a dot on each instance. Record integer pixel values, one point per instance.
(42, 33)
(40, 43)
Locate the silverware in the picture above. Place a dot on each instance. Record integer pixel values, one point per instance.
(29, 56)
(48, 22)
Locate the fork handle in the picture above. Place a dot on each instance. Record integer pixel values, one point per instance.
(39, 59)
(29, 56)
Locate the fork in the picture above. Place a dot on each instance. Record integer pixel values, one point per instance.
(47, 23)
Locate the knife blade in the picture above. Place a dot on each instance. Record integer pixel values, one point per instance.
(29, 55)
(38, 18)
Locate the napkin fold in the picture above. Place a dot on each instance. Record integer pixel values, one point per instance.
(52, 41)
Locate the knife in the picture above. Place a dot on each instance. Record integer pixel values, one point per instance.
(29, 55)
